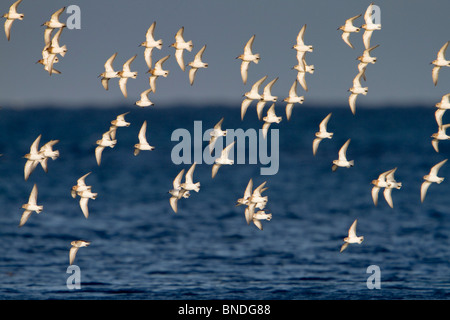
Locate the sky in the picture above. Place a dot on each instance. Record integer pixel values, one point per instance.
(412, 33)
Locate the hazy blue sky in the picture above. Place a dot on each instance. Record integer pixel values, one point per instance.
(412, 33)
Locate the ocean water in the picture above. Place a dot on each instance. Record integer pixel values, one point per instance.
(141, 249)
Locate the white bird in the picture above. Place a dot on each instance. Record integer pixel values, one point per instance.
(247, 194)
(322, 133)
(251, 95)
(80, 186)
(177, 192)
(11, 16)
(48, 60)
(55, 47)
(430, 178)
(369, 26)
(85, 195)
(54, 22)
(74, 249)
(180, 45)
(348, 28)
(223, 159)
(256, 200)
(157, 71)
(143, 144)
(378, 184)
(215, 134)
(260, 215)
(125, 74)
(189, 180)
(355, 91)
(34, 157)
(247, 57)
(352, 238)
(440, 135)
(391, 185)
(303, 68)
(366, 58)
(30, 206)
(439, 62)
(144, 101)
(196, 64)
(269, 119)
(105, 141)
(150, 43)
(109, 72)
(47, 151)
(120, 120)
(292, 99)
(342, 161)
(444, 103)
(266, 96)
(300, 46)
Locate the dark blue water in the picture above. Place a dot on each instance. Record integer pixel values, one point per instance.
(141, 249)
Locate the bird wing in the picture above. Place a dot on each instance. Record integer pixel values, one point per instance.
(123, 86)
(268, 87)
(177, 180)
(435, 74)
(33, 195)
(198, 56)
(293, 89)
(126, 65)
(423, 190)
(346, 38)
(13, 8)
(435, 144)
(179, 35)
(189, 175)
(244, 71)
(148, 57)
(316, 143)
(219, 124)
(344, 246)
(434, 170)
(248, 46)
(149, 35)
(244, 106)
(323, 124)
(352, 230)
(257, 84)
(289, 108)
(258, 223)
(352, 102)
(109, 62)
(55, 16)
(80, 181)
(72, 253)
(98, 154)
(192, 73)
(84, 206)
(302, 80)
(180, 59)
(35, 145)
(300, 35)
(142, 131)
(30, 165)
(388, 196)
(8, 25)
(441, 52)
(215, 168)
(375, 191)
(259, 108)
(343, 150)
(174, 203)
(248, 189)
(159, 63)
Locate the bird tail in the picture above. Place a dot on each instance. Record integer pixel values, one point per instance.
(190, 46)
(257, 56)
(351, 163)
(159, 46)
(197, 187)
(64, 47)
(55, 155)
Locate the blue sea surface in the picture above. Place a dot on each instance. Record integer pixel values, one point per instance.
(141, 249)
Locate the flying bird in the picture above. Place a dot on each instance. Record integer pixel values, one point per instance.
(196, 64)
(85, 195)
(54, 22)
(143, 144)
(109, 71)
(349, 28)
(216, 133)
(322, 133)
(149, 44)
(11, 16)
(247, 57)
(352, 237)
(30, 206)
(269, 119)
(392, 184)
(444, 103)
(303, 68)
(300, 46)
(342, 161)
(223, 159)
(355, 91)
(180, 45)
(439, 62)
(74, 249)
(105, 141)
(430, 178)
(157, 71)
(266, 96)
(80, 186)
(177, 192)
(144, 101)
(189, 180)
(251, 95)
(34, 157)
(369, 26)
(125, 74)
(292, 99)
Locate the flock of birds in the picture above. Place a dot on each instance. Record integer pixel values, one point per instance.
(254, 201)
